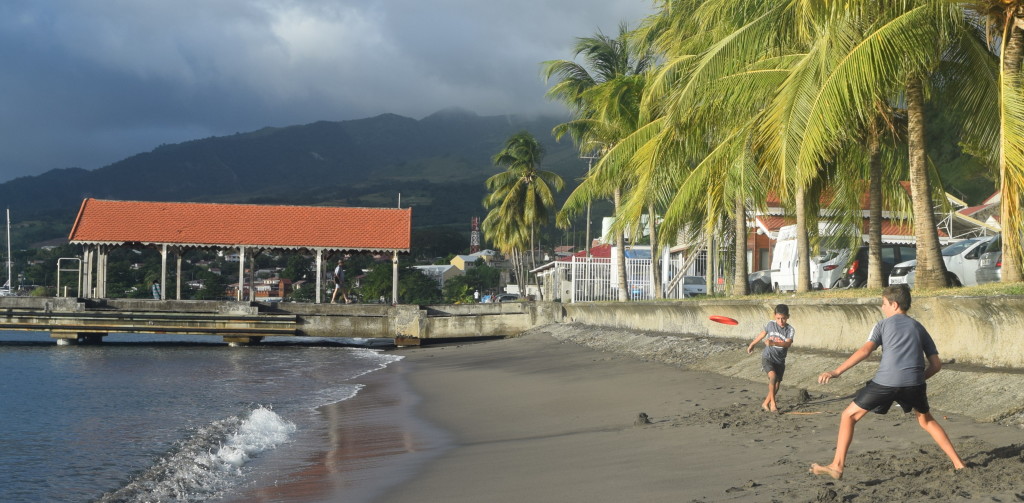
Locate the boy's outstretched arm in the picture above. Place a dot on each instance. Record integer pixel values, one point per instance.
(857, 357)
(750, 347)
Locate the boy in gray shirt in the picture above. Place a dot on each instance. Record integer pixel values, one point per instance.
(900, 378)
(779, 335)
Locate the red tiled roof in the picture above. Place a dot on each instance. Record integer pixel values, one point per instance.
(599, 251)
(974, 209)
(774, 223)
(206, 224)
(773, 201)
(889, 227)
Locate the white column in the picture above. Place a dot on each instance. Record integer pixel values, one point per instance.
(319, 275)
(241, 272)
(177, 256)
(86, 290)
(394, 278)
(101, 271)
(163, 272)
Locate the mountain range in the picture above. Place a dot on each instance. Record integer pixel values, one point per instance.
(437, 165)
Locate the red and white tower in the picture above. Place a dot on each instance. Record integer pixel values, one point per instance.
(474, 235)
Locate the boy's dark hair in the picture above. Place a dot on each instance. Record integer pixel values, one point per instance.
(900, 294)
(782, 309)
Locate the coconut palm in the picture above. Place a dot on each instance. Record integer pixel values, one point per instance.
(520, 199)
(1001, 21)
(693, 154)
(886, 51)
(603, 94)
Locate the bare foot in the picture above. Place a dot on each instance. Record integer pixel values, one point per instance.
(826, 470)
(764, 407)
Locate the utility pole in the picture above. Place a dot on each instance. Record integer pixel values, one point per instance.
(590, 162)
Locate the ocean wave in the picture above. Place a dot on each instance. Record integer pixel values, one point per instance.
(207, 463)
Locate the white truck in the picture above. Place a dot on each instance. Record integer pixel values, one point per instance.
(825, 267)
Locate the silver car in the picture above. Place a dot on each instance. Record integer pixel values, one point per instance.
(694, 285)
(961, 258)
(990, 265)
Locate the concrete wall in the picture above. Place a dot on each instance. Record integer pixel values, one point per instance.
(976, 330)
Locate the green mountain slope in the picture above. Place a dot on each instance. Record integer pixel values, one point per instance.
(437, 164)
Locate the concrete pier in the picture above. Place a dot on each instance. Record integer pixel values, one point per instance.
(241, 323)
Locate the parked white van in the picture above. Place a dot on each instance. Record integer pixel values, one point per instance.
(826, 267)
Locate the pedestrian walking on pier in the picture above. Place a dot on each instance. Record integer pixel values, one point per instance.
(339, 282)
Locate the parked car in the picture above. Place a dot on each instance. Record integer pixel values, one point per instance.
(961, 258)
(857, 273)
(760, 281)
(830, 267)
(694, 285)
(990, 263)
(508, 297)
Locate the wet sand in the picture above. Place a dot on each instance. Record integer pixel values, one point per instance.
(536, 419)
(371, 442)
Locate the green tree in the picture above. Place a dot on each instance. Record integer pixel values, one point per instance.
(298, 267)
(414, 287)
(520, 199)
(603, 93)
(214, 286)
(1001, 21)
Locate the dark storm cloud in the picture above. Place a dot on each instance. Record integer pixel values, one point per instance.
(88, 83)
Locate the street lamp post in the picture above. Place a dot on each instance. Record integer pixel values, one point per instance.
(590, 161)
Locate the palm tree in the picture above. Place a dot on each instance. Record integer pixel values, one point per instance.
(885, 51)
(693, 155)
(520, 199)
(1000, 21)
(603, 94)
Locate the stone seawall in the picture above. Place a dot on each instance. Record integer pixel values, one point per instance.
(987, 331)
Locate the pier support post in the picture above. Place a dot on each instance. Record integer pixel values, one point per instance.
(401, 341)
(241, 340)
(66, 338)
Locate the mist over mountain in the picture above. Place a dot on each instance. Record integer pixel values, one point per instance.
(437, 164)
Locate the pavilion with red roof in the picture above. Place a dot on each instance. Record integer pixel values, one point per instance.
(176, 227)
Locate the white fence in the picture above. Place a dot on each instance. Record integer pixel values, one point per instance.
(592, 279)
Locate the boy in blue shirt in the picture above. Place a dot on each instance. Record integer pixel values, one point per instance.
(900, 378)
(779, 335)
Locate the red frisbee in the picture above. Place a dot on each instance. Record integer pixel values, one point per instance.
(724, 319)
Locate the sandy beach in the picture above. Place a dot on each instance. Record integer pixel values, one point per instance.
(538, 418)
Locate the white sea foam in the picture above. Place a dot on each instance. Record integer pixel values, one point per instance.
(208, 462)
(263, 430)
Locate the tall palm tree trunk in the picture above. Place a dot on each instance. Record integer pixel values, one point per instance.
(533, 262)
(620, 243)
(1013, 51)
(655, 254)
(709, 265)
(803, 246)
(931, 270)
(875, 279)
(740, 284)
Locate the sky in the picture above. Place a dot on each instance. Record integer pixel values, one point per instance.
(85, 83)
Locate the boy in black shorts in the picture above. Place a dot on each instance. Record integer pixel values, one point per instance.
(779, 335)
(900, 378)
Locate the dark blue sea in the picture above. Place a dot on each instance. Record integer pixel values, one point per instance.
(143, 418)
